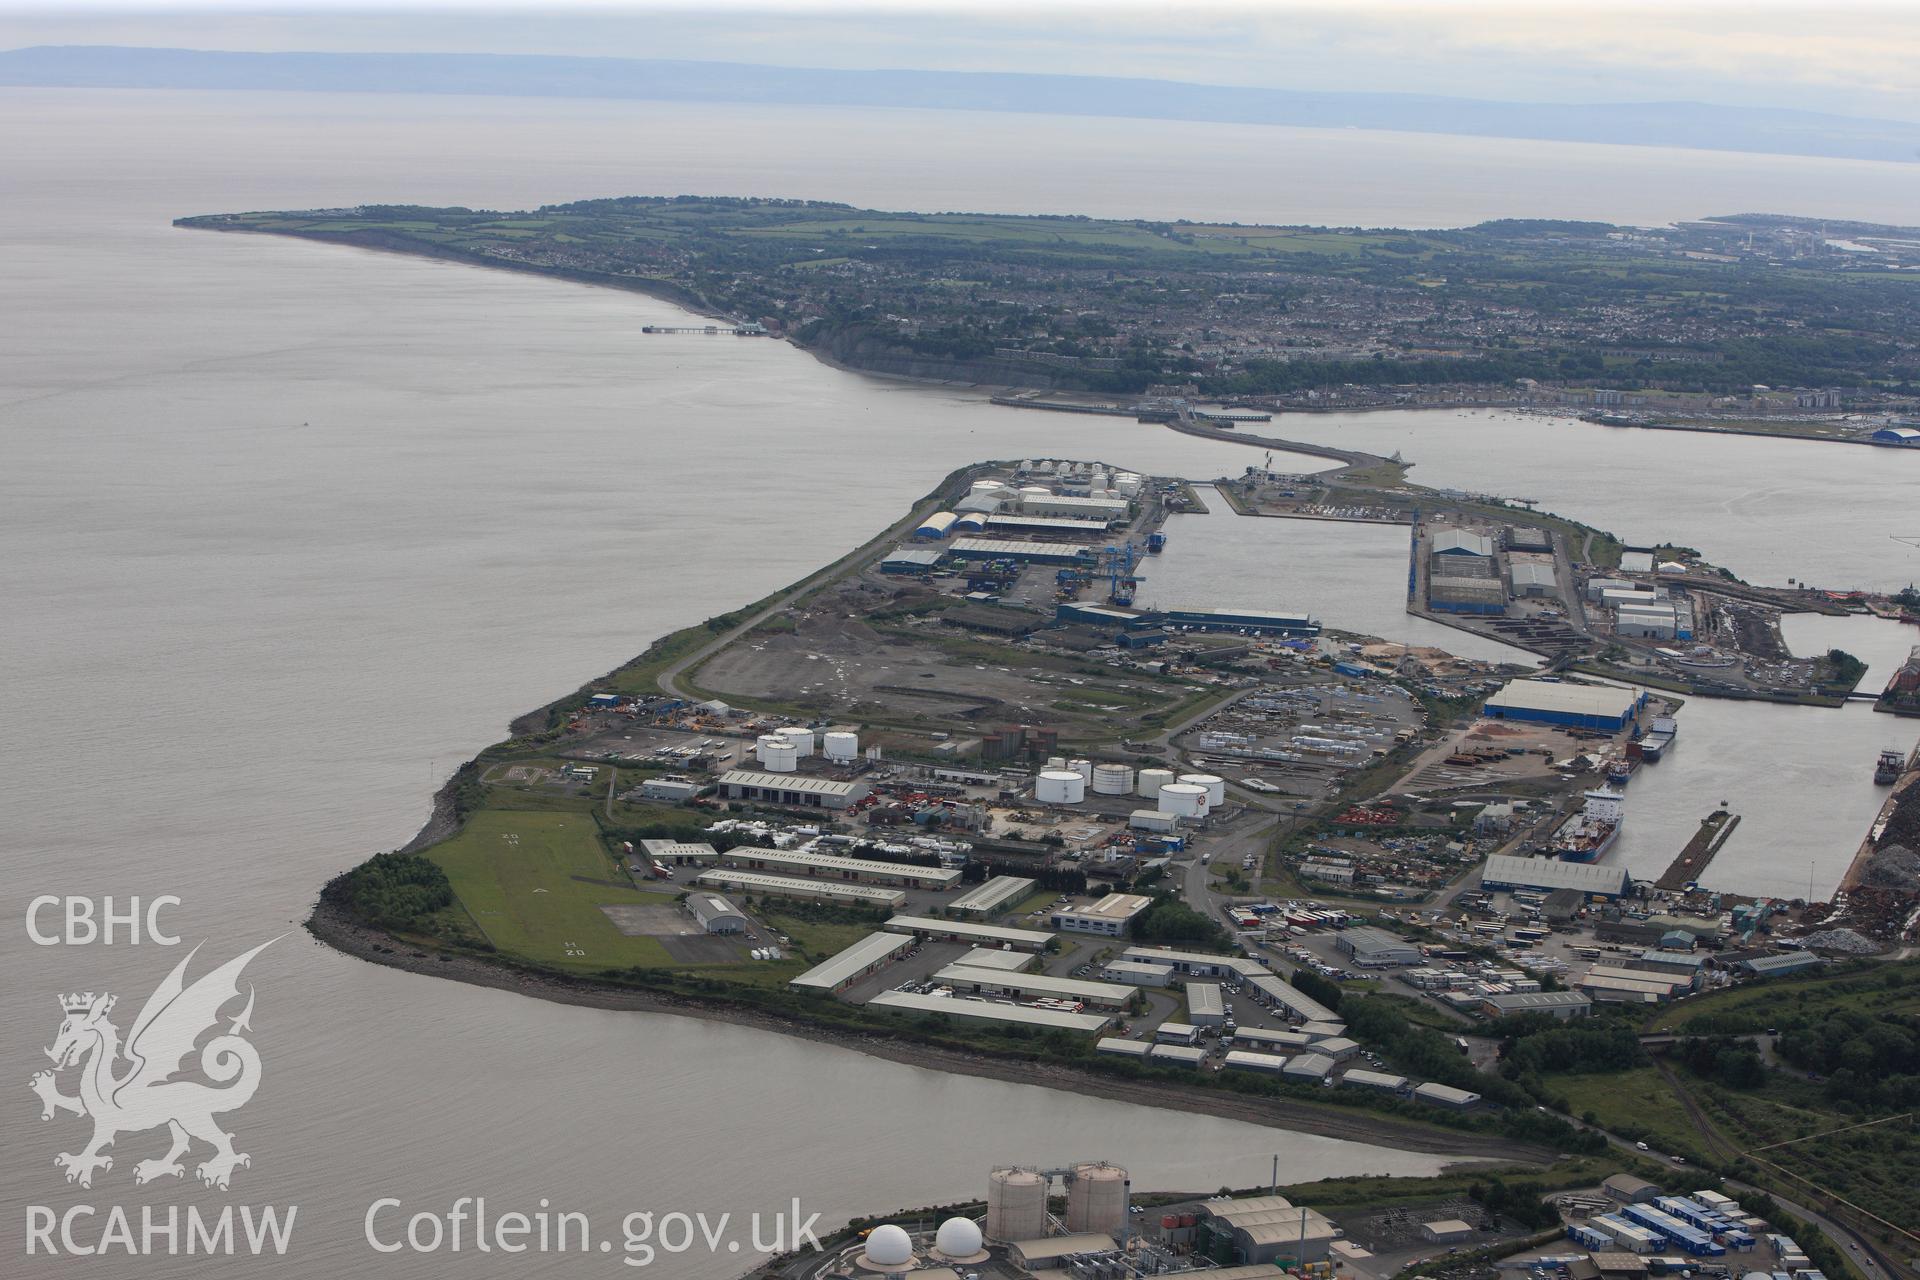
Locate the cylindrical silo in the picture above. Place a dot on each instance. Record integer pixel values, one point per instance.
(1127, 483)
(800, 739)
(1097, 1196)
(1149, 782)
(1082, 767)
(985, 486)
(1182, 799)
(1016, 1205)
(1059, 786)
(841, 746)
(762, 743)
(1056, 762)
(1112, 779)
(1216, 786)
(779, 756)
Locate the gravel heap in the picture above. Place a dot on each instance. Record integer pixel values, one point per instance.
(1845, 940)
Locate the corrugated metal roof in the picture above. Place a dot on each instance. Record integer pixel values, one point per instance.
(870, 950)
(991, 893)
(787, 782)
(1569, 699)
(962, 929)
(1037, 983)
(1462, 540)
(988, 1011)
(1550, 874)
(802, 886)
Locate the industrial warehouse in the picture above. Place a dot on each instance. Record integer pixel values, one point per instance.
(1599, 707)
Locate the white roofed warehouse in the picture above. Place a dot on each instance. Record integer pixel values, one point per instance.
(1373, 948)
(714, 914)
(1578, 706)
(992, 895)
(1510, 871)
(864, 958)
(1109, 917)
(989, 1011)
(803, 889)
(793, 862)
(795, 791)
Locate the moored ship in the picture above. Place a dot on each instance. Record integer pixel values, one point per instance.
(1887, 770)
(1588, 834)
(1658, 738)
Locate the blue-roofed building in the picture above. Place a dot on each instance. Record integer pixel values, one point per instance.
(1908, 437)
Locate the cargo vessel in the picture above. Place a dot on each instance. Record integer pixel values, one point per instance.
(1658, 738)
(1588, 834)
(1619, 771)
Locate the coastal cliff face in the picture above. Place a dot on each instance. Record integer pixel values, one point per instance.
(861, 348)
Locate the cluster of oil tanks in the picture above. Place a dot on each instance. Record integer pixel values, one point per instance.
(782, 750)
(1095, 477)
(1189, 795)
(1097, 1198)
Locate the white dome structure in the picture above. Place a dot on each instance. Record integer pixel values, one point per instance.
(888, 1248)
(959, 1240)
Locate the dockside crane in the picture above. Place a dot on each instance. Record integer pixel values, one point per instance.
(1117, 566)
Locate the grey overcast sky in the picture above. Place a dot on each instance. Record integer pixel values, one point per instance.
(1854, 58)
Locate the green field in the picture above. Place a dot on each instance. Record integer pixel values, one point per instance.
(1631, 1103)
(534, 884)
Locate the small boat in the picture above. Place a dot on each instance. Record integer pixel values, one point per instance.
(1887, 770)
(1619, 771)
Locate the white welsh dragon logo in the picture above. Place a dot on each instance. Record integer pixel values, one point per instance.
(144, 1094)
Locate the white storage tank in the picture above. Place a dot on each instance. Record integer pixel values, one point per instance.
(1016, 1205)
(801, 740)
(762, 743)
(985, 486)
(1059, 786)
(779, 756)
(1127, 483)
(1183, 799)
(1082, 767)
(1056, 762)
(1112, 779)
(1097, 1196)
(1149, 782)
(841, 746)
(1215, 785)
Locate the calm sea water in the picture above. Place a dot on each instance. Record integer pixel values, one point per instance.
(286, 530)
